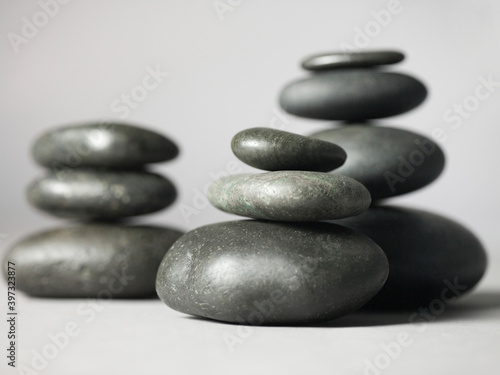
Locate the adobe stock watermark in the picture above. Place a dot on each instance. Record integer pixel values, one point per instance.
(59, 341)
(260, 310)
(392, 351)
(199, 200)
(30, 27)
(221, 7)
(137, 94)
(455, 116)
(96, 139)
(409, 163)
(380, 20)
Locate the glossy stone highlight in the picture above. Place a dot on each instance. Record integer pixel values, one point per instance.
(290, 196)
(352, 95)
(108, 145)
(268, 273)
(95, 261)
(388, 161)
(274, 150)
(362, 59)
(101, 194)
(430, 257)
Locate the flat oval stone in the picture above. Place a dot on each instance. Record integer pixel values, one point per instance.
(255, 272)
(352, 94)
(101, 194)
(96, 261)
(274, 150)
(387, 161)
(431, 258)
(363, 59)
(290, 196)
(108, 145)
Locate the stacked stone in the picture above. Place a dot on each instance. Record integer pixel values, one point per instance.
(432, 259)
(97, 176)
(285, 267)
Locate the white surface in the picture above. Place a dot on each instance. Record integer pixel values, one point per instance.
(225, 76)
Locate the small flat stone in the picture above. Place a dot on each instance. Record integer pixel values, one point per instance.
(388, 161)
(275, 150)
(269, 273)
(431, 258)
(95, 261)
(108, 145)
(352, 95)
(101, 194)
(289, 196)
(340, 60)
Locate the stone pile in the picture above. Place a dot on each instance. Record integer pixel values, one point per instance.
(96, 175)
(289, 268)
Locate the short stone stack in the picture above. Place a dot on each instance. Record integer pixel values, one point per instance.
(286, 267)
(97, 175)
(432, 259)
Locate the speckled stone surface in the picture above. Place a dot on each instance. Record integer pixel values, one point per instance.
(102, 145)
(352, 94)
(431, 258)
(362, 59)
(255, 272)
(95, 261)
(273, 150)
(289, 196)
(387, 161)
(100, 194)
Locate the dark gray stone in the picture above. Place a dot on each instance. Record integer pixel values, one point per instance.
(352, 94)
(101, 194)
(96, 261)
(290, 196)
(102, 145)
(387, 161)
(255, 272)
(431, 258)
(340, 60)
(275, 150)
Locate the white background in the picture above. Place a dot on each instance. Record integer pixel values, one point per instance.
(225, 74)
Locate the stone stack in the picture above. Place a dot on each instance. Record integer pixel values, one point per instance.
(432, 259)
(97, 176)
(286, 267)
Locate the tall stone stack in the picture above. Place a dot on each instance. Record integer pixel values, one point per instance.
(316, 250)
(432, 259)
(96, 176)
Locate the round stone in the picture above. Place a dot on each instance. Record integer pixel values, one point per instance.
(95, 261)
(290, 196)
(275, 150)
(340, 60)
(102, 145)
(352, 95)
(387, 161)
(257, 273)
(431, 258)
(101, 194)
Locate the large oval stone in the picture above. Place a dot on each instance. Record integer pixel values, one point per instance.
(432, 259)
(362, 59)
(255, 272)
(101, 194)
(108, 145)
(387, 161)
(352, 94)
(290, 196)
(274, 150)
(96, 261)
